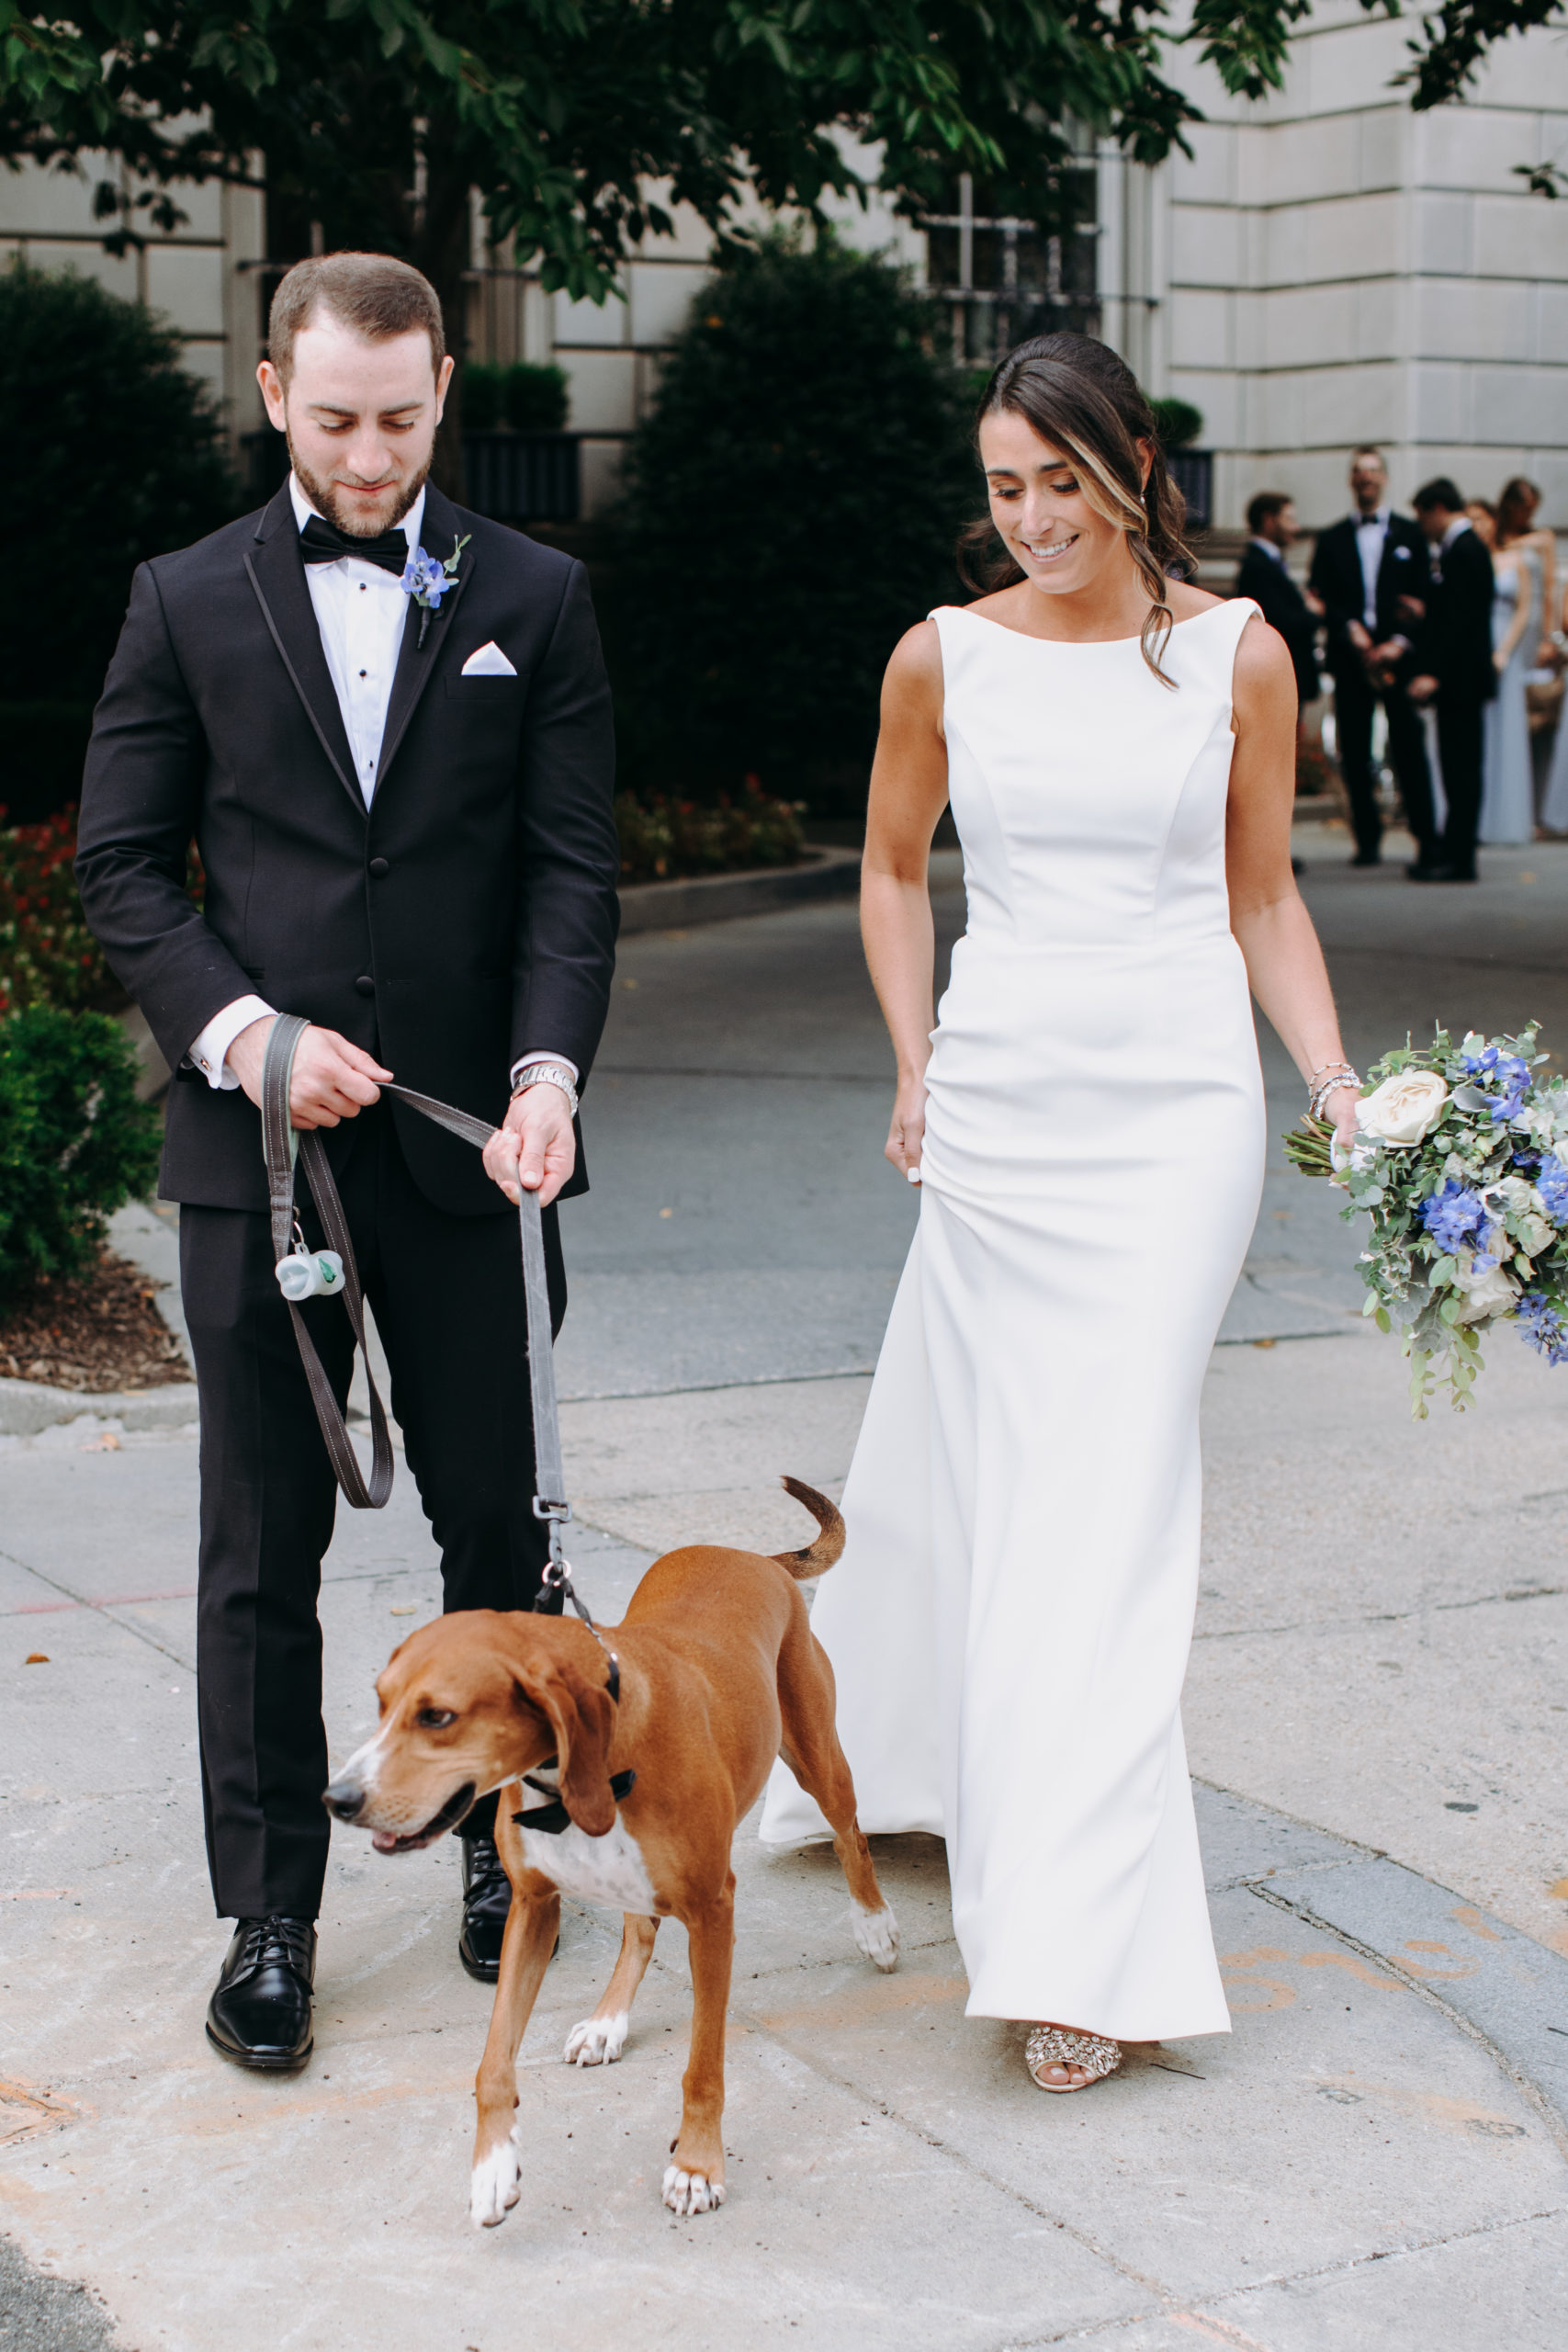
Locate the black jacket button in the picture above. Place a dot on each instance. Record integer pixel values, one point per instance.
(378, 867)
(364, 984)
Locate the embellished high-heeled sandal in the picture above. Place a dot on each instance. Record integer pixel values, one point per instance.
(1058, 2045)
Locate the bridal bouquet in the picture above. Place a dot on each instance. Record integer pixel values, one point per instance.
(1462, 1164)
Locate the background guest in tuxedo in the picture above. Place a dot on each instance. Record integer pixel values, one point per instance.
(1453, 667)
(1370, 573)
(404, 815)
(1263, 575)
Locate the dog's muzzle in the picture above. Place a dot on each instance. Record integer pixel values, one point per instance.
(346, 1799)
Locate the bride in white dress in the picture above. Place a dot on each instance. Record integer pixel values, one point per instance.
(1009, 1625)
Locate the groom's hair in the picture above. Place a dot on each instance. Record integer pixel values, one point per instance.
(377, 297)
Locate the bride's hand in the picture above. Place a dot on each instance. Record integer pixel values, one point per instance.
(907, 1132)
(1341, 1107)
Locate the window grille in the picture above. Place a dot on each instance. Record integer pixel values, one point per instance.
(1001, 280)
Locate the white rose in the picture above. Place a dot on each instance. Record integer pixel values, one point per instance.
(1487, 1293)
(1405, 1109)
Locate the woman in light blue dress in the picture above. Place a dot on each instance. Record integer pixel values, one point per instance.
(1507, 792)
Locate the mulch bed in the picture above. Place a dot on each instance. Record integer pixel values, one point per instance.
(95, 1332)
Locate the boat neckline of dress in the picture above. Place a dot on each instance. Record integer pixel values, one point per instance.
(1221, 604)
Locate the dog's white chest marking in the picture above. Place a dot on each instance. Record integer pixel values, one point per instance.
(609, 1871)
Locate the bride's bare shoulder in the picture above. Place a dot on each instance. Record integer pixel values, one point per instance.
(1187, 602)
(916, 664)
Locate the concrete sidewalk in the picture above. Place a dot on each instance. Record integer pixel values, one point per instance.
(1376, 1712)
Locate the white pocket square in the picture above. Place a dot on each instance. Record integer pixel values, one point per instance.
(490, 661)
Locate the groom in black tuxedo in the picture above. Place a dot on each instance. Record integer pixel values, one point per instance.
(403, 811)
(1370, 573)
(1455, 670)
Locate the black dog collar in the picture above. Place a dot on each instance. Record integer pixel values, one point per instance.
(553, 1818)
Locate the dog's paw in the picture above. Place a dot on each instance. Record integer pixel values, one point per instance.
(597, 2042)
(690, 2193)
(877, 1934)
(496, 2184)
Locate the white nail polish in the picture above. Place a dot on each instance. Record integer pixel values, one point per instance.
(913, 1174)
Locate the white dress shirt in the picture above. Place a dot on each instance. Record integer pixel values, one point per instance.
(360, 610)
(1371, 534)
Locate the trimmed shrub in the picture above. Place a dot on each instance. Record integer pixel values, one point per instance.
(113, 454)
(75, 1144)
(1178, 423)
(526, 398)
(791, 504)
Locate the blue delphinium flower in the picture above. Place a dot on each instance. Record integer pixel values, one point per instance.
(1506, 1071)
(1452, 1216)
(1552, 1183)
(1543, 1326)
(425, 579)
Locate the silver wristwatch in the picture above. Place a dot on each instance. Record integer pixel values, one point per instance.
(547, 1074)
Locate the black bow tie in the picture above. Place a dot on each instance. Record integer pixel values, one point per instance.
(322, 542)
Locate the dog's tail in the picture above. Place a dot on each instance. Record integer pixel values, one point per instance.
(821, 1555)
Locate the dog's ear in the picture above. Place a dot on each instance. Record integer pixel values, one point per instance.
(582, 1716)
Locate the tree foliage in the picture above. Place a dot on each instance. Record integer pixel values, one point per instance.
(113, 454)
(379, 114)
(792, 505)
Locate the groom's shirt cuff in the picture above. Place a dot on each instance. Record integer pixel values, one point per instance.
(209, 1050)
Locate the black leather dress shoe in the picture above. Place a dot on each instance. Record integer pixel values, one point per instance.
(260, 2014)
(1443, 873)
(1366, 857)
(487, 1899)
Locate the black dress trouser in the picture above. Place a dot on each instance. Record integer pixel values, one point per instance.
(1355, 700)
(1460, 740)
(448, 1296)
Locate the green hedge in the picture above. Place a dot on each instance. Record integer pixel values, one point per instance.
(75, 1144)
(528, 399)
(113, 453)
(792, 501)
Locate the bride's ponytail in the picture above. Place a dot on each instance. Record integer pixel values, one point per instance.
(1084, 400)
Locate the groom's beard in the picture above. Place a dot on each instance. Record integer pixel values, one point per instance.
(354, 517)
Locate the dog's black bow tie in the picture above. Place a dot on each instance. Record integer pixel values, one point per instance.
(322, 542)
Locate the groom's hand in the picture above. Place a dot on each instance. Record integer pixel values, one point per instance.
(331, 1078)
(534, 1145)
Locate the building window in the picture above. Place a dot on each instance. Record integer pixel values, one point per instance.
(1001, 280)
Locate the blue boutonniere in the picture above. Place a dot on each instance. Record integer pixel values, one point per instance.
(427, 582)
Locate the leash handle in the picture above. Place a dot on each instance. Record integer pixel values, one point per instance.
(283, 1145)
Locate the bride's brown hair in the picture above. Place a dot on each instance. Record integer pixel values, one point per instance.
(1083, 400)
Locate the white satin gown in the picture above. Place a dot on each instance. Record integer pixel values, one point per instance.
(1011, 1621)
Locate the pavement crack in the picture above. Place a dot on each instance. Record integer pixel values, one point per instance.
(100, 1609)
(955, 2155)
(1387, 1617)
(1527, 2087)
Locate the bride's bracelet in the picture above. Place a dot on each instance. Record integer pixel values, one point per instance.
(1343, 1076)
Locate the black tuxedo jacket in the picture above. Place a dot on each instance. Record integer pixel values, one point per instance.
(1455, 642)
(1284, 607)
(1336, 576)
(467, 917)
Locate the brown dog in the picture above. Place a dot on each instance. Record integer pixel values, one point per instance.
(719, 1673)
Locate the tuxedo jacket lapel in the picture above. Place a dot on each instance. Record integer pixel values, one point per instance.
(277, 574)
(416, 662)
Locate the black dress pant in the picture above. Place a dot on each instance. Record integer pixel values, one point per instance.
(448, 1296)
(1355, 700)
(1460, 738)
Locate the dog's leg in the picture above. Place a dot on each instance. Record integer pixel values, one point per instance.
(532, 1926)
(810, 1748)
(694, 2182)
(600, 2040)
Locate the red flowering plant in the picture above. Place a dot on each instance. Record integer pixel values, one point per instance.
(47, 953)
(47, 956)
(663, 838)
